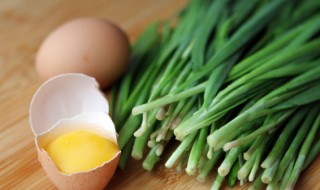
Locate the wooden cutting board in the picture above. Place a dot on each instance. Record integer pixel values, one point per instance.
(23, 26)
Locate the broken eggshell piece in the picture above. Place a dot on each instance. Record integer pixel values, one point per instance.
(72, 100)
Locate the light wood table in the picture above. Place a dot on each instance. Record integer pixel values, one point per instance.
(23, 26)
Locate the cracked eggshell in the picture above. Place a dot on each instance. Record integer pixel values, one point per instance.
(72, 100)
(65, 96)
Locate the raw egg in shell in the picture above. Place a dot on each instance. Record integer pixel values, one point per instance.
(75, 138)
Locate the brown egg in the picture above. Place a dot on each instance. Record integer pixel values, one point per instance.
(91, 46)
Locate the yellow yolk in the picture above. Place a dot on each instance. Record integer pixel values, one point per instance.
(80, 151)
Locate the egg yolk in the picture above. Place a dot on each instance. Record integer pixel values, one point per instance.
(80, 151)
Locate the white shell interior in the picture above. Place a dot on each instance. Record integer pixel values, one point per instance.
(96, 122)
(65, 96)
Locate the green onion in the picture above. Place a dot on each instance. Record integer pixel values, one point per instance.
(303, 154)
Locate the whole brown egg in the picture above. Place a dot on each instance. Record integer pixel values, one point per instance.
(93, 46)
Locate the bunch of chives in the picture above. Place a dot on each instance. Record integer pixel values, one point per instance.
(232, 82)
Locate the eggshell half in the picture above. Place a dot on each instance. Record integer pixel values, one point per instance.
(96, 178)
(65, 96)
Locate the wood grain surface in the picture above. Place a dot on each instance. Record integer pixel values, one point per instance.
(23, 26)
